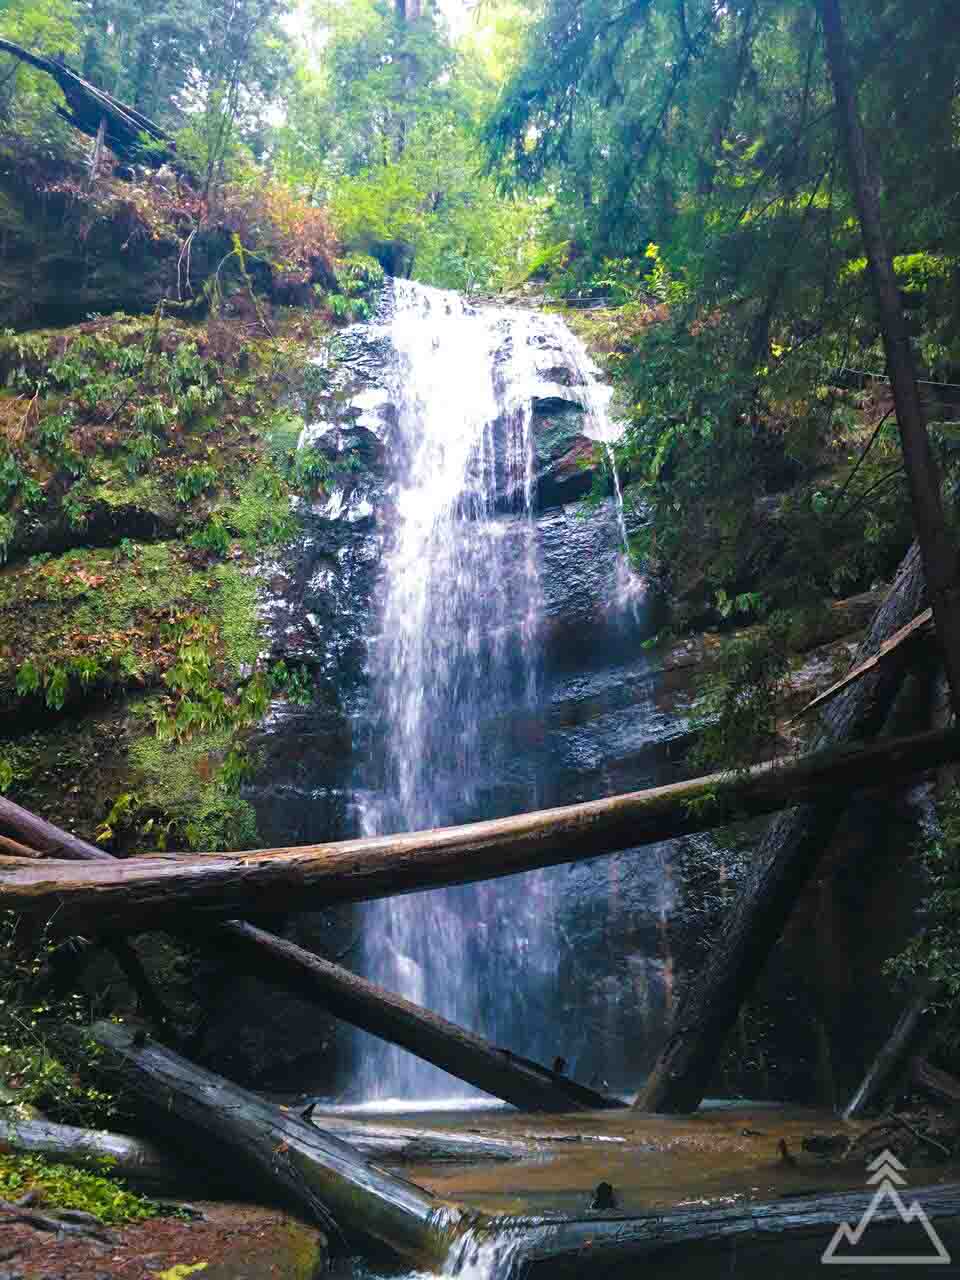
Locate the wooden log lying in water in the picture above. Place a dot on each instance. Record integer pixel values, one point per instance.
(159, 890)
(785, 861)
(469, 1057)
(280, 1151)
(789, 1236)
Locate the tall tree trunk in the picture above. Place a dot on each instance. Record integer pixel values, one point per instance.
(787, 858)
(937, 547)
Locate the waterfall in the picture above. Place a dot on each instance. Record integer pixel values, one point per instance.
(458, 653)
(456, 668)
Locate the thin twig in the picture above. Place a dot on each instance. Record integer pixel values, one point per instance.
(923, 1137)
(860, 461)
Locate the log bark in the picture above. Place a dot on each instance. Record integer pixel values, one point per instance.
(277, 1149)
(937, 544)
(789, 1236)
(44, 837)
(159, 891)
(469, 1057)
(787, 858)
(910, 1028)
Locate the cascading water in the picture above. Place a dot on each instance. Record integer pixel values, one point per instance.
(456, 670)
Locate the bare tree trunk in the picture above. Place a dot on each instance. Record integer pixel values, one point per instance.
(788, 856)
(937, 547)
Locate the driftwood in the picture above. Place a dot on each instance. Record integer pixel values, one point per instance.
(128, 134)
(279, 1151)
(892, 1058)
(158, 891)
(157, 1170)
(785, 861)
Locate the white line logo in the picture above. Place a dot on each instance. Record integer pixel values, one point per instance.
(887, 1171)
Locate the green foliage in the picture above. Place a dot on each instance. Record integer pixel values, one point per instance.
(740, 697)
(41, 1037)
(935, 952)
(189, 793)
(260, 515)
(65, 1187)
(194, 480)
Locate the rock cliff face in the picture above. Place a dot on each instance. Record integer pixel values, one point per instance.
(610, 717)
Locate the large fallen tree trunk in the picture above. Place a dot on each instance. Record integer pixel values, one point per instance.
(158, 891)
(497, 1071)
(789, 1236)
(467, 1056)
(793, 846)
(44, 837)
(279, 1150)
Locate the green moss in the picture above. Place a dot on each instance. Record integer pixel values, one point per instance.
(64, 1187)
(92, 618)
(239, 623)
(260, 515)
(187, 784)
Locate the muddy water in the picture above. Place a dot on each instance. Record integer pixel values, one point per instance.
(722, 1156)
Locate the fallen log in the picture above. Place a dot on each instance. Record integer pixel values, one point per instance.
(911, 632)
(128, 134)
(789, 1235)
(143, 1165)
(158, 891)
(910, 1027)
(44, 837)
(155, 1170)
(467, 1056)
(277, 1149)
(785, 861)
(515, 1079)
(16, 850)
